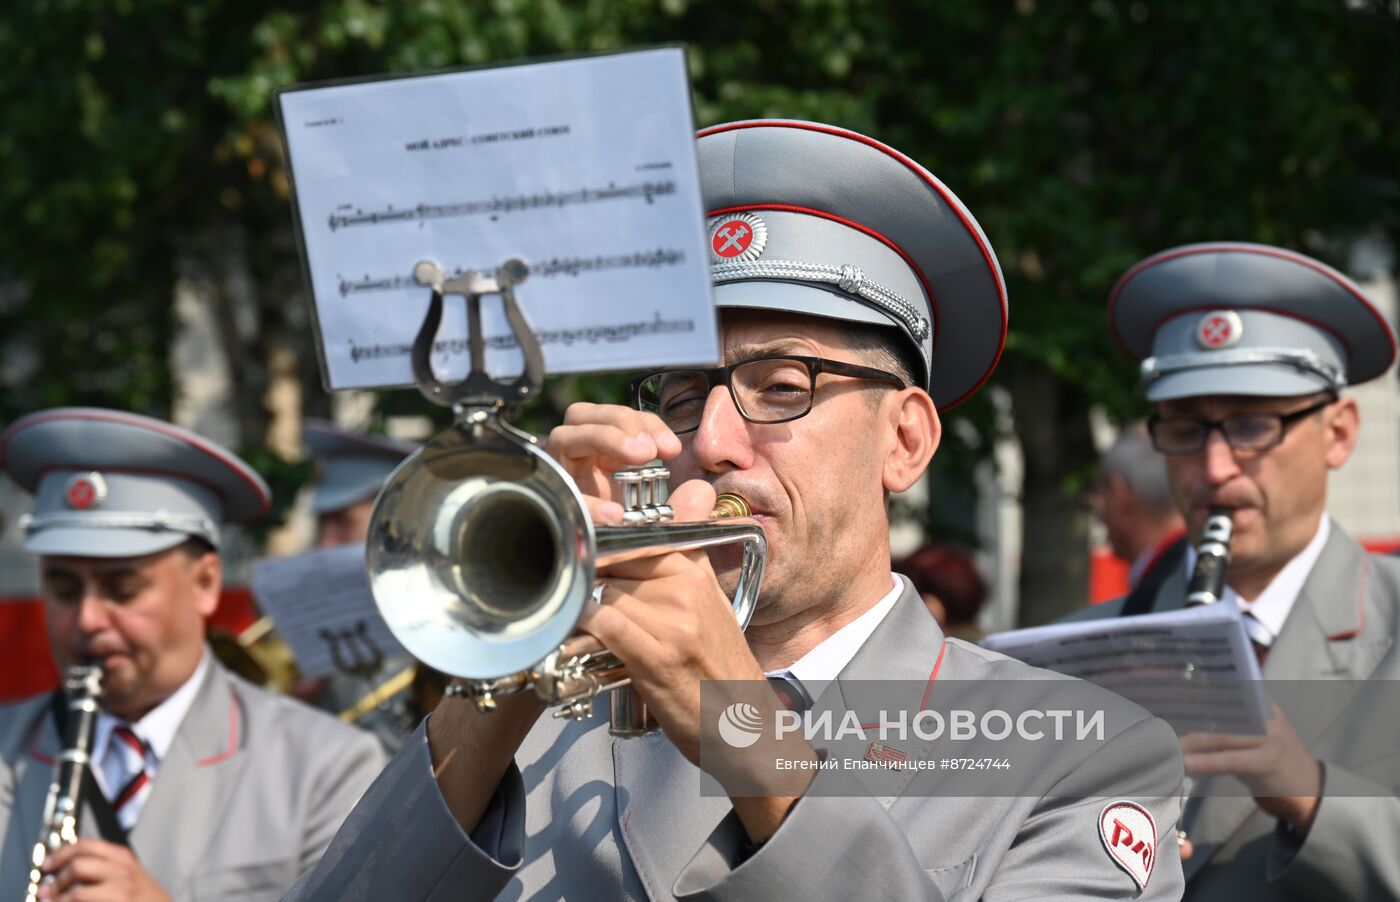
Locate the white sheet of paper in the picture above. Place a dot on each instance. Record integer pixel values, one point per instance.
(1195, 668)
(585, 168)
(322, 606)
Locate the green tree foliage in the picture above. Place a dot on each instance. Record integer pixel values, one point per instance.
(1082, 135)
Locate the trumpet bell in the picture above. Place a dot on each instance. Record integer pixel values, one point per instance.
(478, 553)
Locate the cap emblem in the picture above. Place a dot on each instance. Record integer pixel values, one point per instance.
(737, 238)
(1219, 329)
(85, 491)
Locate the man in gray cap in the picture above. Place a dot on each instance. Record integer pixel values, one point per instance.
(857, 296)
(202, 785)
(1246, 352)
(350, 469)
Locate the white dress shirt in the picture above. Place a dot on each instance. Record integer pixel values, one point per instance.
(157, 729)
(825, 662)
(1271, 606)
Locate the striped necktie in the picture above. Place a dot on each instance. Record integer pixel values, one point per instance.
(127, 768)
(1259, 636)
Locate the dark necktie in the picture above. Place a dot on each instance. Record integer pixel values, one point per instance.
(789, 691)
(1259, 636)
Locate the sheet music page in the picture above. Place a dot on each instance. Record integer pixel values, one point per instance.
(1195, 668)
(585, 168)
(322, 606)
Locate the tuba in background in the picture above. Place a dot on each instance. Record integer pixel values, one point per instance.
(481, 553)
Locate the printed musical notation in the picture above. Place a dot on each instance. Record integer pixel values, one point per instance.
(498, 206)
(454, 167)
(545, 269)
(324, 610)
(604, 333)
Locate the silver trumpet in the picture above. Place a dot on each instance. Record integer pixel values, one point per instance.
(481, 553)
(82, 685)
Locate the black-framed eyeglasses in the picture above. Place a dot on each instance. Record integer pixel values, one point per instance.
(765, 390)
(1243, 432)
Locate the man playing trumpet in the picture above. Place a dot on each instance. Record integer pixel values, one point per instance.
(857, 296)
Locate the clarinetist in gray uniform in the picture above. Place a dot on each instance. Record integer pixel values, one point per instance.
(203, 785)
(1246, 354)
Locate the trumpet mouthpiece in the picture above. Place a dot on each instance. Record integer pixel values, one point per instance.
(729, 506)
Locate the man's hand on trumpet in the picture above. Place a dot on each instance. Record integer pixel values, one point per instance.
(665, 616)
(667, 619)
(598, 440)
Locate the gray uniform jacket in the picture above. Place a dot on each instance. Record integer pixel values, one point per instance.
(585, 816)
(1341, 629)
(249, 795)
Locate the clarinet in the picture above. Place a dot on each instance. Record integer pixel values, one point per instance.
(1207, 584)
(82, 685)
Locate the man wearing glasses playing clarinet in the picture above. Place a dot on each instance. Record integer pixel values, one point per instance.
(1246, 354)
(858, 296)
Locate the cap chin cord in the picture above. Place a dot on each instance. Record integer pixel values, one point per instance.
(1154, 368)
(848, 278)
(155, 521)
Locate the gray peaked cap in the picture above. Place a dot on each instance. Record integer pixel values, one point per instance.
(814, 219)
(113, 484)
(350, 466)
(1246, 319)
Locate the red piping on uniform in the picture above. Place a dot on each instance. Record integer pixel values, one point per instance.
(193, 441)
(34, 745)
(923, 702)
(233, 723)
(932, 183)
(1360, 610)
(1281, 254)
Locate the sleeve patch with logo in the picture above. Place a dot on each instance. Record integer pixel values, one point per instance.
(1129, 835)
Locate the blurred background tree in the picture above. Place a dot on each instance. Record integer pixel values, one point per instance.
(139, 155)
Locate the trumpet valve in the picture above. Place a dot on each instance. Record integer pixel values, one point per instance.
(643, 494)
(578, 709)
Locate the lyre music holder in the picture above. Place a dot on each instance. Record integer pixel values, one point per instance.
(481, 551)
(478, 395)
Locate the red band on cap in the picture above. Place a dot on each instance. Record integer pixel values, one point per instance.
(214, 451)
(1227, 247)
(928, 179)
(864, 230)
